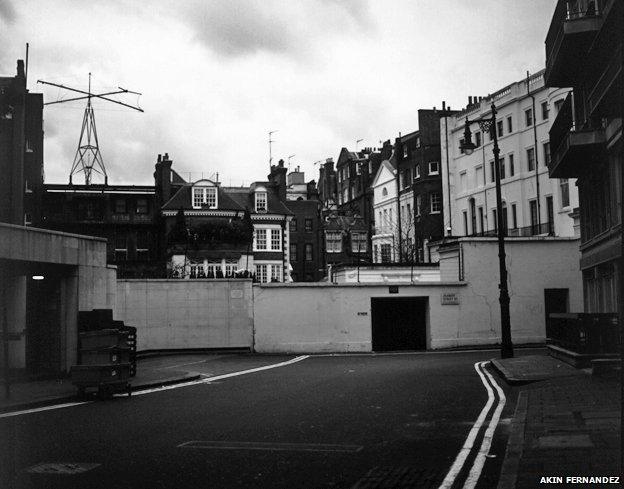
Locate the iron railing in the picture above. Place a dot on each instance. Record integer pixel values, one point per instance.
(585, 333)
(545, 228)
(566, 11)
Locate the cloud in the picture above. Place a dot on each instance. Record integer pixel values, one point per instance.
(7, 12)
(247, 27)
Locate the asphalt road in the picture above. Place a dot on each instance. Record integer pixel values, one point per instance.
(324, 422)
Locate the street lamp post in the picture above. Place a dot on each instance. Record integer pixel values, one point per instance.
(489, 124)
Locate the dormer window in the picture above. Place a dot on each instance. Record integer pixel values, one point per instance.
(204, 197)
(261, 201)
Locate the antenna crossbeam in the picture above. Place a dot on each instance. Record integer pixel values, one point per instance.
(88, 158)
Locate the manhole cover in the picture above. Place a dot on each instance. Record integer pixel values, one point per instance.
(61, 468)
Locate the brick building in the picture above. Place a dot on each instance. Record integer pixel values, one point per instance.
(305, 228)
(211, 231)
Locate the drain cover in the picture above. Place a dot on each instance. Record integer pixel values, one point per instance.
(61, 468)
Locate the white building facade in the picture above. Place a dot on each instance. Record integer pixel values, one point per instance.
(385, 212)
(533, 203)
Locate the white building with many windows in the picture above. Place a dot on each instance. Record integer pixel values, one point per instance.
(385, 211)
(533, 204)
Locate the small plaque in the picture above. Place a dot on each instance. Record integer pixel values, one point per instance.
(236, 293)
(362, 314)
(393, 289)
(450, 299)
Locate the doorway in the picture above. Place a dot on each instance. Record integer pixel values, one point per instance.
(399, 323)
(555, 300)
(43, 326)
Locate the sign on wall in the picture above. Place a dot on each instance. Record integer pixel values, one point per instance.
(450, 299)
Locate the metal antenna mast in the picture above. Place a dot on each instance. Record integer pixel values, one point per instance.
(88, 158)
(270, 153)
(289, 158)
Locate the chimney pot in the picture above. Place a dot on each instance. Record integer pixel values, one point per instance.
(470, 100)
(166, 158)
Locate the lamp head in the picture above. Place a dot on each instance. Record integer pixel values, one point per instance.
(467, 146)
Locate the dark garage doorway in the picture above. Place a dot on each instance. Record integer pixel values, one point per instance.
(399, 323)
(43, 326)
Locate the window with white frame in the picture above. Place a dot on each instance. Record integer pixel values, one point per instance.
(261, 201)
(276, 239)
(260, 239)
(462, 181)
(418, 204)
(416, 172)
(565, 192)
(204, 196)
(436, 202)
(333, 242)
(405, 151)
(262, 273)
(358, 242)
(530, 152)
(434, 168)
(267, 239)
(276, 273)
(386, 253)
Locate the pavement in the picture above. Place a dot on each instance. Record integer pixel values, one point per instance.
(567, 423)
(152, 372)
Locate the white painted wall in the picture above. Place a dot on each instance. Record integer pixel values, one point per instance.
(187, 314)
(336, 318)
(533, 264)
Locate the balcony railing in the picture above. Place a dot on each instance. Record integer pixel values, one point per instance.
(571, 17)
(584, 333)
(546, 228)
(562, 124)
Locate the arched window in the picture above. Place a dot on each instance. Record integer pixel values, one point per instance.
(384, 192)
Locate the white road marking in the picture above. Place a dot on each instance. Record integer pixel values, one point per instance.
(44, 408)
(472, 435)
(268, 446)
(159, 389)
(477, 466)
(219, 377)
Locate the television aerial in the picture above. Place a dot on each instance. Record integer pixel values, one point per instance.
(88, 158)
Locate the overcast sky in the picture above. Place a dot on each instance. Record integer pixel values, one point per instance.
(217, 75)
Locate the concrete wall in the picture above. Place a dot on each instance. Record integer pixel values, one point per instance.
(337, 317)
(533, 264)
(183, 314)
